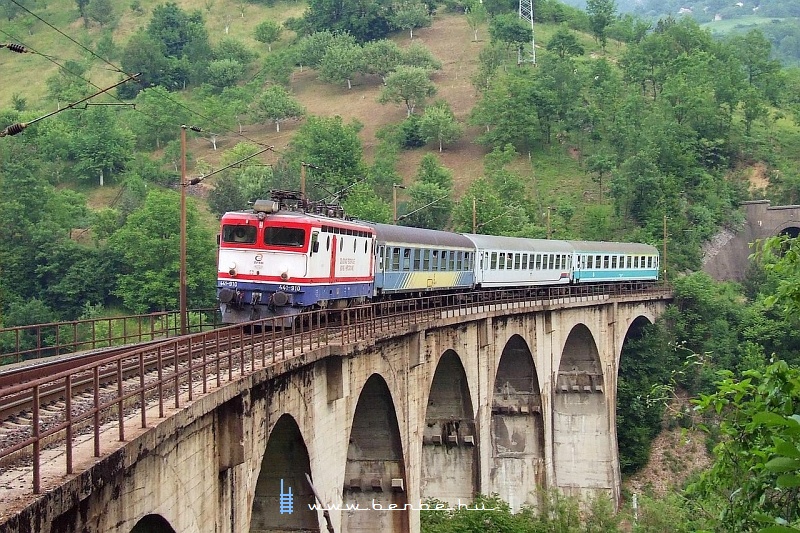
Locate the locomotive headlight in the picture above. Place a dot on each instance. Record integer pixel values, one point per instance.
(232, 269)
(285, 273)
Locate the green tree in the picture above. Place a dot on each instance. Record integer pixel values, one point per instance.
(366, 21)
(431, 170)
(223, 73)
(600, 165)
(334, 148)
(363, 203)
(226, 195)
(476, 17)
(382, 57)
(276, 104)
(102, 147)
(158, 118)
(68, 85)
(755, 478)
(279, 66)
(82, 10)
(410, 14)
(565, 44)
(172, 51)
(102, 12)
(498, 112)
(409, 85)
(439, 124)
(312, 48)
(268, 32)
(509, 29)
(341, 62)
(490, 59)
(429, 207)
(419, 55)
(149, 247)
(601, 15)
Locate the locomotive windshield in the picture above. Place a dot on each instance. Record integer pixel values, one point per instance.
(242, 234)
(276, 236)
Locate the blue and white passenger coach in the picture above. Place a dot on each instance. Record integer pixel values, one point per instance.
(416, 260)
(597, 262)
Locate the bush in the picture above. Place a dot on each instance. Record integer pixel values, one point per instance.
(410, 133)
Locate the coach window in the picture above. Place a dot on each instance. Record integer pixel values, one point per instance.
(426, 260)
(417, 253)
(524, 261)
(395, 260)
(493, 264)
(459, 260)
(613, 261)
(406, 260)
(452, 260)
(517, 261)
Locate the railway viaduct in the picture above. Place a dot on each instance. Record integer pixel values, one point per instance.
(508, 398)
(728, 260)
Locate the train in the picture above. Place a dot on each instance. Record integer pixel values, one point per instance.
(287, 255)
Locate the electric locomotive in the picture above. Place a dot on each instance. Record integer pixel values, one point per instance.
(286, 255)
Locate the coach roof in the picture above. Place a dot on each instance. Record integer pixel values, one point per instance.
(400, 235)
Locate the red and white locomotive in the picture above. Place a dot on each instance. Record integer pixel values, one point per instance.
(285, 256)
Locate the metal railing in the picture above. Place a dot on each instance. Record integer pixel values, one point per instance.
(44, 340)
(178, 369)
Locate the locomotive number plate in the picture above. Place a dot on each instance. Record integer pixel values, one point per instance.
(289, 288)
(227, 283)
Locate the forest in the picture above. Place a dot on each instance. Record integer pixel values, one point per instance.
(620, 123)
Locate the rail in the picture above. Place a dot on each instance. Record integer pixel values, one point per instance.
(125, 386)
(21, 343)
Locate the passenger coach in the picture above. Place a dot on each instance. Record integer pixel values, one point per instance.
(416, 260)
(597, 262)
(517, 262)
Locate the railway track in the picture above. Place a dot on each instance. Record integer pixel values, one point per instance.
(147, 373)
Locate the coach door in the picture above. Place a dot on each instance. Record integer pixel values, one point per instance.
(379, 266)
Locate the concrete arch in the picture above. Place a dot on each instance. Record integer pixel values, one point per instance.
(282, 494)
(632, 328)
(517, 426)
(449, 469)
(375, 468)
(153, 523)
(582, 425)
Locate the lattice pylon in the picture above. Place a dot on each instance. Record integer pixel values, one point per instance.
(526, 14)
